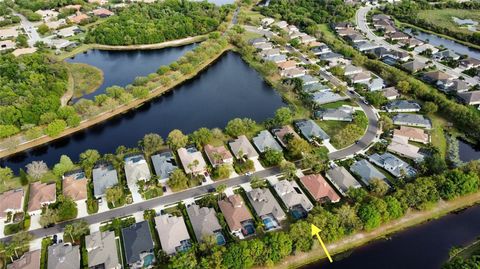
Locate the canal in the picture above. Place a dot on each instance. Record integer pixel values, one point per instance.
(425, 246)
(226, 90)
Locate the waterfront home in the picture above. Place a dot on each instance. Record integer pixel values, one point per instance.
(293, 198)
(470, 62)
(412, 134)
(319, 188)
(264, 140)
(7, 45)
(424, 48)
(242, 148)
(102, 12)
(63, 256)
(362, 77)
(11, 202)
(192, 160)
(325, 97)
(470, 98)
(397, 36)
(308, 80)
(375, 84)
(459, 86)
(237, 216)
(391, 93)
(266, 207)
(392, 164)
(342, 179)
(74, 185)
(104, 176)
(173, 234)
(400, 146)
(414, 66)
(256, 41)
(402, 106)
(218, 155)
(414, 120)
(29, 260)
(164, 163)
(284, 133)
(350, 70)
(445, 55)
(136, 169)
(138, 245)
(102, 250)
(343, 113)
(366, 171)
(7, 33)
(288, 65)
(276, 58)
(311, 131)
(205, 223)
(68, 32)
(41, 194)
(294, 73)
(365, 46)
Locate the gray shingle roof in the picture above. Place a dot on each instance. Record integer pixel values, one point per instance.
(136, 240)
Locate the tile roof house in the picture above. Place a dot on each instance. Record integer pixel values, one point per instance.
(319, 188)
(291, 195)
(366, 171)
(402, 106)
(173, 233)
(102, 250)
(400, 146)
(412, 134)
(41, 194)
(192, 160)
(264, 140)
(311, 131)
(343, 113)
(326, 96)
(241, 148)
(414, 120)
(265, 205)
(136, 169)
(391, 93)
(283, 133)
(218, 155)
(11, 201)
(74, 185)
(204, 221)
(164, 163)
(137, 242)
(63, 256)
(392, 164)
(342, 179)
(235, 212)
(414, 66)
(104, 176)
(29, 260)
(470, 98)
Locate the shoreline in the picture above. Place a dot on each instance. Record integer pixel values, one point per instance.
(85, 124)
(411, 219)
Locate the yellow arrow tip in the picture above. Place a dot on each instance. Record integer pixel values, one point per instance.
(315, 230)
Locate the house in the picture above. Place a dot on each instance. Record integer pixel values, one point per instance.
(365, 46)
(350, 70)
(218, 155)
(392, 164)
(325, 97)
(445, 55)
(242, 148)
(173, 234)
(342, 179)
(311, 131)
(7, 45)
(412, 120)
(293, 73)
(459, 86)
(266, 207)
(192, 160)
(308, 80)
(362, 77)
(391, 93)
(164, 163)
(136, 169)
(257, 41)
(288, 65)
(63, 256)
(264, 140)
(104, 176)
(78, 18)
(68, 32)
(402, 106)
(137, 244)
(11, 202)
(293, 198)
(276, 58)
(47, 14)
(284, 133)
(412, 134)
(400, 146)
(237, 216)
(470, 98)
(396, 36)
(102, 12)
(74, 185)
(29, 260)
(41, 194)
(319, 189)
(424, 48)
(414, 66)
(343, 113)
(366, 171)
(102, 250)
(205, 223)
(375, 84)
(470, 63)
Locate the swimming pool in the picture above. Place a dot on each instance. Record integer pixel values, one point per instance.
(148, 260)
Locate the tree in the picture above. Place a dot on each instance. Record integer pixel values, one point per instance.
(272, 157)
(379, 187)
(63, 166)
(55, 128)
(37, 169)
(114, 195)
(201, 137)
(6, 174)
(178, 180)
(429, 108)
(283, 116)
(288, 169)
(151, 143)
(176, 139)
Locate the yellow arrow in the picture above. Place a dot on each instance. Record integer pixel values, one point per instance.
(316, 231)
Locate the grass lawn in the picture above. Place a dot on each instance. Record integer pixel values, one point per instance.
(443, 18)
(86, 78)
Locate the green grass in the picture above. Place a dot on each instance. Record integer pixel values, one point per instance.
(86, 78)
(443, 18)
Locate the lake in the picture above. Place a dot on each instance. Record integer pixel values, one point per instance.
(226, 90)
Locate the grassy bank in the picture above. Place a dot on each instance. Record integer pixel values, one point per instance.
(86, 78)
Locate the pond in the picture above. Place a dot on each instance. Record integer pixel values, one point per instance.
(425, 246)
(467, 151)
(117, 65)
(447, 43)
(226, 90)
